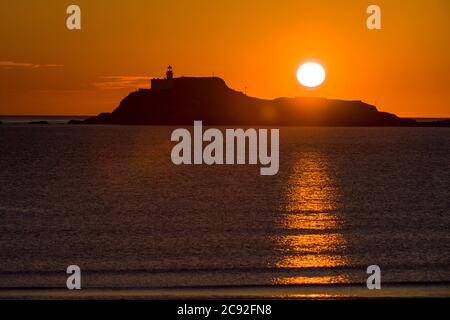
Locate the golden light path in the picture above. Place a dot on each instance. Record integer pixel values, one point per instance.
(310, 201)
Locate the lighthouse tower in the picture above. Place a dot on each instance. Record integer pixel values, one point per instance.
(169, 73)
(163, 84)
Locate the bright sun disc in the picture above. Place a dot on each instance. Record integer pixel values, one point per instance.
(311, 74)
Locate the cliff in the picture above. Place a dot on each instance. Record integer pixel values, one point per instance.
(210, 100)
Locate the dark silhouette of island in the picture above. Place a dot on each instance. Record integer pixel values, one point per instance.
(181, 101)
(75, 122)
(38, 122)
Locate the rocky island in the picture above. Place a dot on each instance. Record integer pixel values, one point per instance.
(180, 101)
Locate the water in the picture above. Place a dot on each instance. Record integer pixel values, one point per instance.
(430, 119)
(20, 120)
(108, 198)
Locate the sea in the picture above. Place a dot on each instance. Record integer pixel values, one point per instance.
(109, 200)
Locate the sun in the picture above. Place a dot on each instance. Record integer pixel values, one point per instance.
(311, 74)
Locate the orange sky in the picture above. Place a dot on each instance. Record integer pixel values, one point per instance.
(46, 69)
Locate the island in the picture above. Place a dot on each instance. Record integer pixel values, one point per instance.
(183, 100)
(38, 122)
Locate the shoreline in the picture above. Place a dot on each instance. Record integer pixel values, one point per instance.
(335, 292)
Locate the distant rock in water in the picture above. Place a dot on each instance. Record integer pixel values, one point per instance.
(184, 100)
(38, 122)
(438, 123)
(75, 122)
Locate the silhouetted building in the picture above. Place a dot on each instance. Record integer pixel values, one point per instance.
(169, 73)
(167, 83)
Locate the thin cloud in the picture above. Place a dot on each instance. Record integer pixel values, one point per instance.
(122, 82)
(25, 65)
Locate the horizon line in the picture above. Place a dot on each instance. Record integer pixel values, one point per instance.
(79, 115)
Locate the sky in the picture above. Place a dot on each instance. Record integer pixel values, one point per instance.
(46, 69)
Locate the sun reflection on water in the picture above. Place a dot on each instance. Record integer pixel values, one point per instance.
(310, 225)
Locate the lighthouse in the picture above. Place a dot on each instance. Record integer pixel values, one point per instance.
(169, 73)
(163, 84)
